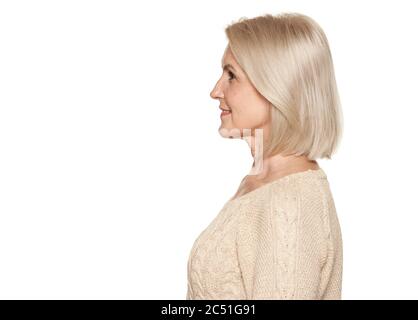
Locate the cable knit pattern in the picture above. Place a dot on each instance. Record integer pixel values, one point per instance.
(280, 241)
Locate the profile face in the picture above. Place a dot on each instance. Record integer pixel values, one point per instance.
(245, 107)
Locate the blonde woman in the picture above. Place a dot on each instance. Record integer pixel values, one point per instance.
(279, 236)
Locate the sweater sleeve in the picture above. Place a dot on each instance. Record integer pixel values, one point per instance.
(282, 244)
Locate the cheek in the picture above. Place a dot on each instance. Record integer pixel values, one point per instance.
(250, 119)
(237, 99)
(249, 112)
(249, 108)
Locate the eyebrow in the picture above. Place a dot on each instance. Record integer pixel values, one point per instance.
(228, 65)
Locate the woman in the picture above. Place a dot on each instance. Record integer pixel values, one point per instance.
(279, 236)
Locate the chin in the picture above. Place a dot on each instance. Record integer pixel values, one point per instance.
(231, 133)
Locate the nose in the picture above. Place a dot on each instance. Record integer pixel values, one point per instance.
(216, 92)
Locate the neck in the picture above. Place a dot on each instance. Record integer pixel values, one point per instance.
(277, 164)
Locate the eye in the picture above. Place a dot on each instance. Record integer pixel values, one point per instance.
(231, 75)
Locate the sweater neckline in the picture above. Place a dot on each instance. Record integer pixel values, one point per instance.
(310, 172)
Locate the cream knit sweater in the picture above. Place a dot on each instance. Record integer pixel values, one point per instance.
(279, 241)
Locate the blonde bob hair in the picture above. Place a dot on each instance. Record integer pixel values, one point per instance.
(287, 59)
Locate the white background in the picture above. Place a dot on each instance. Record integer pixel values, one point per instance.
(111, 163)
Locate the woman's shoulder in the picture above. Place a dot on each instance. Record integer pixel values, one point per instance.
(305, 186)
(302, 197)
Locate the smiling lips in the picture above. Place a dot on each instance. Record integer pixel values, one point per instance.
(225, 112)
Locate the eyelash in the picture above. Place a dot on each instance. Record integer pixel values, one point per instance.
(231, 75)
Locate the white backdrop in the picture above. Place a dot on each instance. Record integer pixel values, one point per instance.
(111, 163)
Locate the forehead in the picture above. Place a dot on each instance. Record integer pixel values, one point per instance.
(228, 58)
